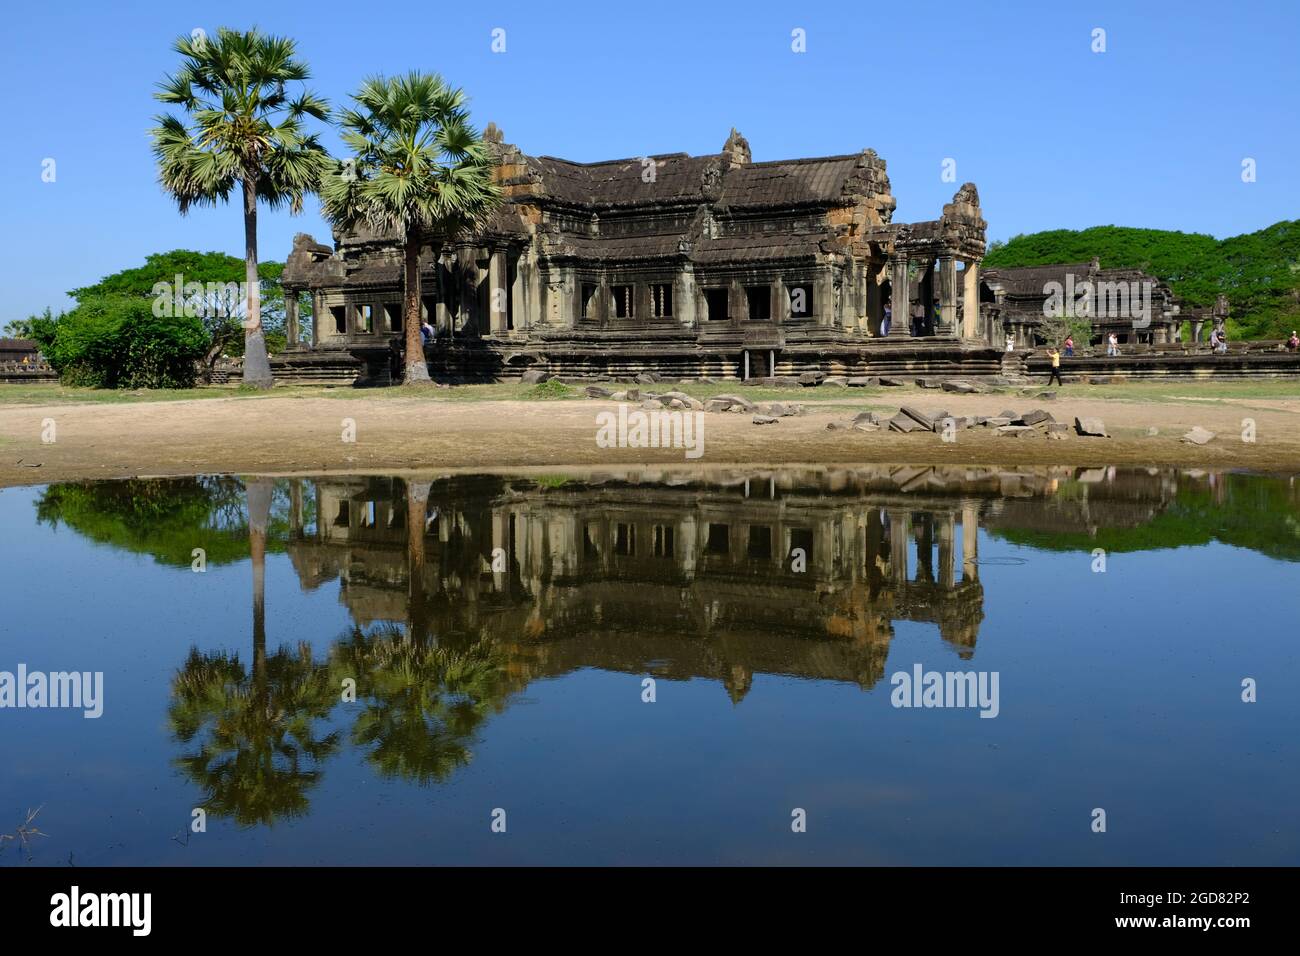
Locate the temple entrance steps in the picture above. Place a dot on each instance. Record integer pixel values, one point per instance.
(1013, 367)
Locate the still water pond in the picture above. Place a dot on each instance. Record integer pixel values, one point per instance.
(657, 668)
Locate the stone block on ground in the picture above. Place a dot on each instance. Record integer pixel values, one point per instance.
(863, 381)
(1091, 427)
(1017, 431)
(1198, 436)
(922, 420)
(958, 386)
(765, 420)
(535, 376)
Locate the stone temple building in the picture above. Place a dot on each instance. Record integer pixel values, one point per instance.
(1139, 308)
(685, 266)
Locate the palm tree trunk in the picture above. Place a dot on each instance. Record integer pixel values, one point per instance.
(257, 367)
(417, 609)
(259, 514)
(417, 368)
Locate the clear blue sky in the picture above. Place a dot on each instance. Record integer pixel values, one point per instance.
(1151, 132)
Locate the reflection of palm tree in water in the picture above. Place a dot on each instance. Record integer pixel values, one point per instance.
(258, 753)
(423, 700)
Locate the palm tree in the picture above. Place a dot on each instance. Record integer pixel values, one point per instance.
(419, 170)
(245, 130)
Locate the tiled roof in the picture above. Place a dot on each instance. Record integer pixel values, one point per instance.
(788, 182)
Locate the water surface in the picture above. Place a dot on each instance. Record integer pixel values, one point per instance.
(502, 634)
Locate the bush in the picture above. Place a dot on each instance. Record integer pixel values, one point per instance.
(117, 342)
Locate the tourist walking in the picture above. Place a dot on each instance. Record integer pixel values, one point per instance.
(1069, 346)
(1293, 342)
(1011, 342)
(1112, 344)
(1222, 346)
(885, 322)
(1056, 367)
(426, 332)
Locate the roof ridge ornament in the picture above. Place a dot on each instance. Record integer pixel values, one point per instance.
(736, 150)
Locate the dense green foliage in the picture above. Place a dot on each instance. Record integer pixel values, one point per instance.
(1251, 512)
(117, 342)
(87, 348)
(221, 313)
(164, 518)
(1259, 272)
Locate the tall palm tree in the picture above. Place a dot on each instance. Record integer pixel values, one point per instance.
(419, 170)
(244, 130)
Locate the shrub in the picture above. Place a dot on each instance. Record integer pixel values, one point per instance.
(118, 342)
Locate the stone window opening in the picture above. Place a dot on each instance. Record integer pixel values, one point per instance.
(623, 305)
(802, 539)
(801, 300)
(340, 314)
(625, 540)
(393, 317)
(719, 540)
(715, 303)
(588, 300)
(661, 300)
(760, 543)
(760, 303)
(662, 543)
(365, 318)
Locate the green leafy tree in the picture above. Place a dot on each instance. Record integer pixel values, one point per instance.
(116, 342)
(419, 170)
(210, 290)
(1259, 272)
(245, 131)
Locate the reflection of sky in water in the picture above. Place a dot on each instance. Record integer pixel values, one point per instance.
(1119, 690)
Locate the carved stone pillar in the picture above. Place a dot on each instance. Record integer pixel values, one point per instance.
(970, 302)
(497, 291)
(291, 318)
(947, 567)
(899, 304)
(947, 295)
(970, 550)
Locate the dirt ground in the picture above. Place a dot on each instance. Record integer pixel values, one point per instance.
(305, 435)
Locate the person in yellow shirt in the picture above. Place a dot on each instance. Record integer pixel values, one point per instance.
(1056, 367)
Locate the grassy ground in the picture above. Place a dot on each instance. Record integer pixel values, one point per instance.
(1173, 391)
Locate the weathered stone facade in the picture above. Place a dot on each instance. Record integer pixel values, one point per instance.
(1015, 302)
(680, 265)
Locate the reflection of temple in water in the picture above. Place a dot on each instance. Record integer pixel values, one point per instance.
(799, 574)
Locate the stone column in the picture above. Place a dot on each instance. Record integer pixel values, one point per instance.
(900, 306)
(826, 294)
(899, 546)
(947, 564)
(441, 318)
(317, 314)
(291, 318)
(519, 292)
(970, 303)
(497, 291)
(970, 551)
(947, 294)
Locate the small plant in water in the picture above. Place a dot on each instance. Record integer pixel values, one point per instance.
(24, 834)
